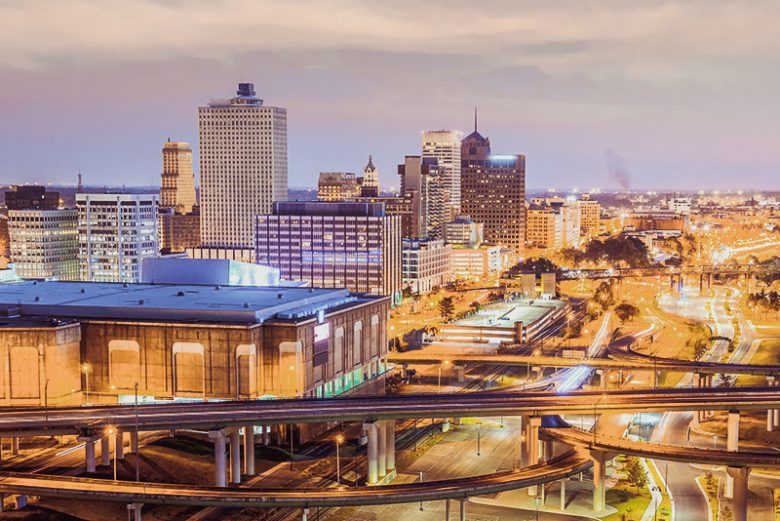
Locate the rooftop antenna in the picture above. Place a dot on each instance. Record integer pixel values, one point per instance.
(79, 186)
(475, 119)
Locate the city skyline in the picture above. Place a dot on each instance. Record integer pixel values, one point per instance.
(661, 95)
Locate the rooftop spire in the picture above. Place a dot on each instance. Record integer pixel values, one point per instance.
(475, 119)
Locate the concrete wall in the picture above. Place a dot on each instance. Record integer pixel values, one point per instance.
(40, 365)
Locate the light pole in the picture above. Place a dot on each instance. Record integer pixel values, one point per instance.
(137, 441)
(479, 424)
(339, 441)
(46, 403)
(85, 369)
(655, 501)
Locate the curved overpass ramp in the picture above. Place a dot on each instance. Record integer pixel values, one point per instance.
(580, 438)
(567, 464)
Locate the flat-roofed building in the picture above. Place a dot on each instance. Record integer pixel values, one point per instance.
(45, 243)
(98, 340)
(337, 186)
(426, 264)
(464, 231)
(351, 245)
(475, 263)
(116, 232)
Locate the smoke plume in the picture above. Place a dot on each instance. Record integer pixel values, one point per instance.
(617, 170)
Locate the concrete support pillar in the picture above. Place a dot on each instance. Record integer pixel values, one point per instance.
(249, 450)
(372, 451)
(732, 444)
(445, 425)
(776, 412)
(220, 469)
(134, 442)
(105, 451)
(134, 511)
(15, 446)
(266, 435)
(653, 379)
(120, 444)
(563, 494)
(548, 450)
(620, 378)
(89, 451)
(770, 415)
(462, 510)
(381, 452)
(739, 505)
(305, 515)
(599, 475)
(446, 510)
(461, 371)
(534, 422)
(235, 456)
(390, 446)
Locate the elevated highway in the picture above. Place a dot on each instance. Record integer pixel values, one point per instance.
(627, 360)
(568, 464)
(579, 438)
(217, 415)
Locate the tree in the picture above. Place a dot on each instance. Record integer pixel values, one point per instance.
(572, 329)
(447, 308)
(626, 311)
(635, 473)
(537, 265)
(604, 295)
(476, 305)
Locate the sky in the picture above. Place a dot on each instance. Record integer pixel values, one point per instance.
(640, 93)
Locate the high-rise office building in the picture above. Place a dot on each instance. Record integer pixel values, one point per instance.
(116, 232)
(243, 166)
(43, 238)
(333, 245)
(31, 198)
(421, 179)
(493, 191)
(178, 180)
(444, 146)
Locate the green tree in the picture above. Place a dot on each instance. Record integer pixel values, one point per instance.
(635, 473)
(604, 296)
(476, 305)
(536, 265)
(447, 308)
(626, 311)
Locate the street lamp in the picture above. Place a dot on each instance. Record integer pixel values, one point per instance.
(112, 432)
(339, 441)
(85, 370)
(446, 362)
(479, 439)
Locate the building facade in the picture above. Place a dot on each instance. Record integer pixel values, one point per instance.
(178, 232)
(44, 243)
(423, 182)
(177, 191)
(369, 186)
(544, 227)
(464, 232)
(426, 265)
(116, 232)
(333, 245)
(444, 146)
(475, 263)
(590, 216)
(74, 342)
(493, 191)
(337, 186)
(243, 166)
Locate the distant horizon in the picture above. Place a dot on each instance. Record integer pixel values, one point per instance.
(646, 94)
